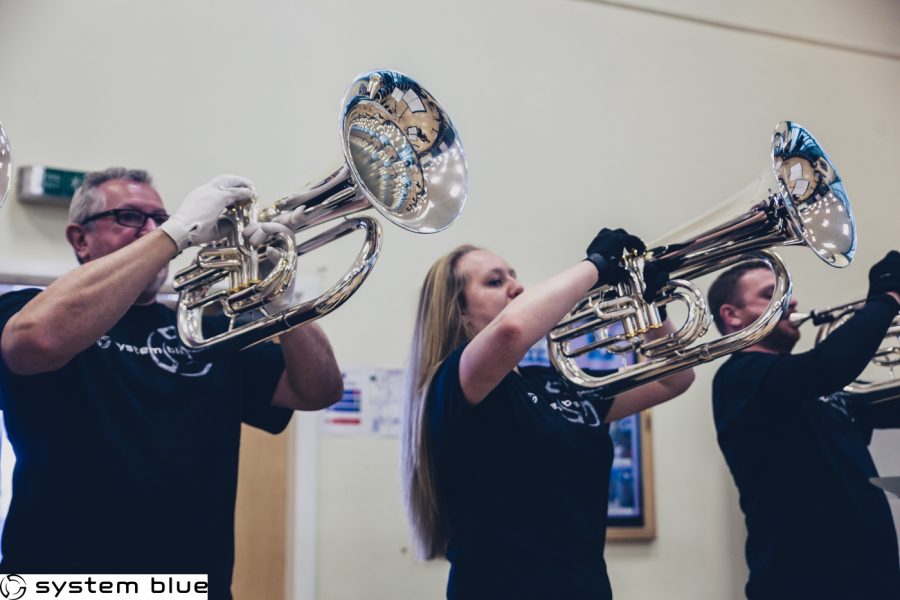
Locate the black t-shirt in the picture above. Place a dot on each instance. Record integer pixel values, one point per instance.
(526, 476)
(126, 457)
(816, 527)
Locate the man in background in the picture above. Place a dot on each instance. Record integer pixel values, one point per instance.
(797, 446)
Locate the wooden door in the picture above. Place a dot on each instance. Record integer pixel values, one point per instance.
(261, 525)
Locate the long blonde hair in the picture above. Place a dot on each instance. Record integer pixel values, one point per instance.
(439, 330)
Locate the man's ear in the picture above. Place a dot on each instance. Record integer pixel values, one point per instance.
(75, 235)
(730, 317)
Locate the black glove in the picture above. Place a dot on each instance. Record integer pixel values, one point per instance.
(605, 252)
(655, 277)
(884, 276)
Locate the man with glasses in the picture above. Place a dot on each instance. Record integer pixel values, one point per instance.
(129, 217)
(126, 441)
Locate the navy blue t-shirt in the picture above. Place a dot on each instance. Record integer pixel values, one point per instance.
(796, 446)
(126, 457)
(526, 476)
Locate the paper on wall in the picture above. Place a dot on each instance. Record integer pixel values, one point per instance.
(370, 404)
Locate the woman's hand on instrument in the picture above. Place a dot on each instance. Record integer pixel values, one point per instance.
(196, 220)
(655, 277)
(605, 253)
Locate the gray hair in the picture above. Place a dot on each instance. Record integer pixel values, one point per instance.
(89, 199)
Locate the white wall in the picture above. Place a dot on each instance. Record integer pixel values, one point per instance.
(885, 449)
(574, 115)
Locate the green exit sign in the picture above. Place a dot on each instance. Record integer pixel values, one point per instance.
(62, 183)
(38, 183)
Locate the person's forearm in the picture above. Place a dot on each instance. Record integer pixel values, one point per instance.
(679, 381)
(839, 359)
(312, 379)
(537, 310)
(499, 347)
(655, 392)
(79, 307)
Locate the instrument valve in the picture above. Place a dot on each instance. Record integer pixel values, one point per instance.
(243, 286)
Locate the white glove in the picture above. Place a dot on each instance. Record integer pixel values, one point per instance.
(293, 220)
(256, 234)
(196, 220)
(298, 218)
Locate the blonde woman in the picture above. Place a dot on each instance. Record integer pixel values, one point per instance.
(506, 469)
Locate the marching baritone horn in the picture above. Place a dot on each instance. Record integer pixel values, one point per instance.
(800, 199)
(402, 156)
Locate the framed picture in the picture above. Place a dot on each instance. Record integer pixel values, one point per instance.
(631, 508)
